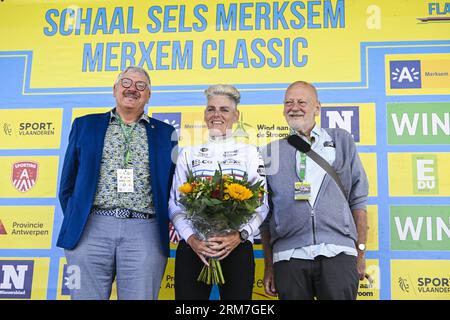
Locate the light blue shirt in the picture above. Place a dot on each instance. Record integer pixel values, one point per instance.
(314, 174)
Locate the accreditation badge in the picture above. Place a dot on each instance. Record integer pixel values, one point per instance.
(125, 180)
(302, 191)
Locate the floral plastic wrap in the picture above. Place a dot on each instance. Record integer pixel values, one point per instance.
(217, 205)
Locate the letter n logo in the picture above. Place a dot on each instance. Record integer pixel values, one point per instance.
(16, 278)
(346, 118)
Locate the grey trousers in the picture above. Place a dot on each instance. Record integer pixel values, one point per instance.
(127, 250)
(323, 278)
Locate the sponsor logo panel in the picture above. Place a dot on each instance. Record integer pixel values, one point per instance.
(24, 278)
(418, 123)
(425, 174)
(26, 227)
(28, 177)
(369, 288)
(408, 74)
(435, 12)
(24, 175)
(69, 277)
(16, 279)
(421, 174)
(30, 128)
(350, 117)
(420, 227)
(420, 279)
(341, 117)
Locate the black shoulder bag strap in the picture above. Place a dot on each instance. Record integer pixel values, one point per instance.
(302, 146)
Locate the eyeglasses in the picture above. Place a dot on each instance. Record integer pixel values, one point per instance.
(291, 102)
(127, 82)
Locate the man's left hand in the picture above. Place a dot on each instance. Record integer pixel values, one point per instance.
(361, 265)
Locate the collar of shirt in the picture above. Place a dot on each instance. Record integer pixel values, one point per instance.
(113, 117)
(222, 140)
(315, 136)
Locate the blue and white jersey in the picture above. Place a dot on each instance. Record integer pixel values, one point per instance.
(235, 159)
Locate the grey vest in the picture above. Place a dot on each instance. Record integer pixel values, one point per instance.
(295, 224)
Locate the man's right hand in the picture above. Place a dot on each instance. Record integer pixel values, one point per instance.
(269, 282)
(201, 248)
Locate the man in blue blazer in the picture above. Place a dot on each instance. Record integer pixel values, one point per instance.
(114, 193)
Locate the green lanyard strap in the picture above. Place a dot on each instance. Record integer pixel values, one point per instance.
(128, 135)
(302, 167)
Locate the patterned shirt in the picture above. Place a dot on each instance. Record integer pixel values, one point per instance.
(107, 197)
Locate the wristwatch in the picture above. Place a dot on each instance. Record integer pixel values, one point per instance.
(361, 247)
(243, 234)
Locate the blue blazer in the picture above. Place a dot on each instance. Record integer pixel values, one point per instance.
(81, 170)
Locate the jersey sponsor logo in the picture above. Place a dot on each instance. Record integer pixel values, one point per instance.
(227, 154)
(24, 175)
(198, 162)
(261, 171)
(230, 162)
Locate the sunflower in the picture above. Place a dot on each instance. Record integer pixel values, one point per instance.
(185, 188)
(238, 192)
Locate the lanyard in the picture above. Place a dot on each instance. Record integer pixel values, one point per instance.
(128, 135)
(302, 166)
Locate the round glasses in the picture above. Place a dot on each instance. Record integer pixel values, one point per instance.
(127, 82)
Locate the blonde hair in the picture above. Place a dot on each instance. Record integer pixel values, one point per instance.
(224, 90)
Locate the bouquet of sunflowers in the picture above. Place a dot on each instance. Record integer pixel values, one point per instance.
(217, 205)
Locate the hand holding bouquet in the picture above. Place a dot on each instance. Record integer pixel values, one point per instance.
(217, 205)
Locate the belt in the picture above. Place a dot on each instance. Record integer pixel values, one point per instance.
(123, 213)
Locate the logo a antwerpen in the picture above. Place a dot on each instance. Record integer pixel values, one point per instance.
(24, 175)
